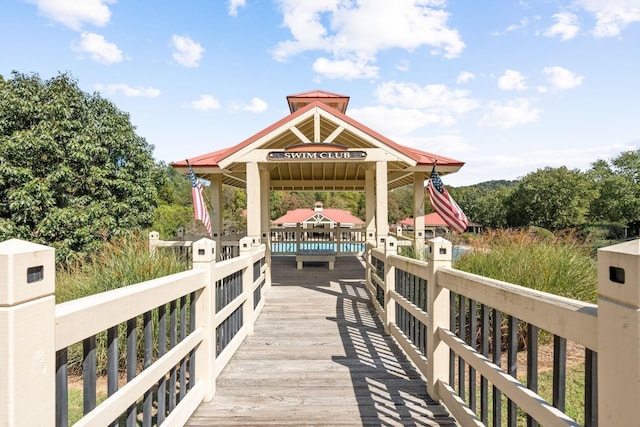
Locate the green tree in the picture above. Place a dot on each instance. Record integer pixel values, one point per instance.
(618, 185)
(73, 172)
(552, 198)
(485, 206)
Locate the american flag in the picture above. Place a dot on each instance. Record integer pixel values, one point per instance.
(444, 204)
(200, 211)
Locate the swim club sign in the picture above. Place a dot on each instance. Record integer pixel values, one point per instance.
(316, 151)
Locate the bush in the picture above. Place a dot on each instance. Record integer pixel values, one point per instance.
(561, 264)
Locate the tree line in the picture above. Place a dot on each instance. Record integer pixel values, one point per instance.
(74, 174)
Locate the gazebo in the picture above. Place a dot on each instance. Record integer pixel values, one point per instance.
(317, 147)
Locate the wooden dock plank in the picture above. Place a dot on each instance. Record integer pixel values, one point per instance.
(318, 356)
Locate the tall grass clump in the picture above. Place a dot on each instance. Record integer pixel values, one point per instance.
(558, 264)
(121, 262)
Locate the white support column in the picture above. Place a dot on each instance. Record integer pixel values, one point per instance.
(418, 214)
(370, 204)
(382, 216)
(253, 202)
(27, 334)
(204, 257)
(438, 255)
(390, 248)
(619, 334)
(217, 206)
(154, 241)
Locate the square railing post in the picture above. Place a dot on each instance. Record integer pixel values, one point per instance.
(619, 334)
(204, 257)
(391, 248)
(246, 248)
(27, 334)
(438, 255)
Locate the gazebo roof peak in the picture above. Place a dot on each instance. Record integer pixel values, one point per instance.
(333, 100)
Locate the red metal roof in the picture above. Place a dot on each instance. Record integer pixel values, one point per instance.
(430, 220)
(301, 215)
(421, 157)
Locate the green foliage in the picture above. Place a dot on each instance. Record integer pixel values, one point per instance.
(553, 198)
(121, 262)
(618, 185)
(561, 265)
(73, 172)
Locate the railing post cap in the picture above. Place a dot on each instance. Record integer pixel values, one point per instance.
(619, 272)
(154, 235)
(439, 249)
(204, 250)
(246, 243)
(27, 271)
(391, 244)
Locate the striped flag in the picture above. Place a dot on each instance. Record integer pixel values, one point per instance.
(200, 211)
(444, 204)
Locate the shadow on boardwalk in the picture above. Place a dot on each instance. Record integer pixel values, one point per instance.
(319, 356)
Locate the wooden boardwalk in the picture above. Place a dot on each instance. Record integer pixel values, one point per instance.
(319, 356)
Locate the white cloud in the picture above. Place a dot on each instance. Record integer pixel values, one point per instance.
(257, 106)
(205, 103)
(75, 13)
(513, 27)
(512, 80)
(448, 145)
(234, 5)
(566, 26)
(186, 51)
(435, 98)
(465, 77)
(98, 48)
(561, 78)
(398, 121)
(612, 16)
(508, 114)
(361, 29)
(126, 90)
(344, 69)
(403, 65)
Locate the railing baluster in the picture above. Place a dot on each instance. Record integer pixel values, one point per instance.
(496, 351)
(62, 389)
(559, 371)
(112, 364)
(532, 365)
(453, 323)
(484, 349)
(462, 326)
(591, 388)
(147, 406)
(512, 366)
(132, 360)
(88, 374)
(162, 349)
(173, 332)
(183, 335)
(473, 342)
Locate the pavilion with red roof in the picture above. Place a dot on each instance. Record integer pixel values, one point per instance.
(317, 147)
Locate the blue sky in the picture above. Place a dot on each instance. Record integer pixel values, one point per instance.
(507, 87)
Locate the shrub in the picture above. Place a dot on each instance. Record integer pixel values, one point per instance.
(560, 264)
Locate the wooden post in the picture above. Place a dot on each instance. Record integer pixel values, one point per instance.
(390, 248)
(27, 334)
(246, 248)
(619, 334)
(204, 257)
(438, 255)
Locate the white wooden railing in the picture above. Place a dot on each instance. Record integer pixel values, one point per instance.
(211, 309)
(452, 325)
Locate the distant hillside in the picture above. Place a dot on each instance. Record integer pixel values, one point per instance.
(491, 185)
